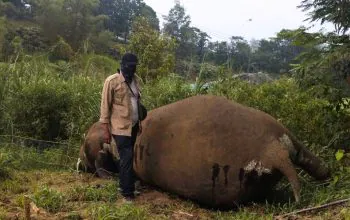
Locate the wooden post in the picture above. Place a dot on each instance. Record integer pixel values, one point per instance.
(26, 203)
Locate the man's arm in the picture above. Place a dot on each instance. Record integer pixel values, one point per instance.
(105, 110)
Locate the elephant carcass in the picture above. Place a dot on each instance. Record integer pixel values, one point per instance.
(97, 157)
(218, 152)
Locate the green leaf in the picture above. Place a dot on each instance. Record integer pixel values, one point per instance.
(335, 180)
(339, 155)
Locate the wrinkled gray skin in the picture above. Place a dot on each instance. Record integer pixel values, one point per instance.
(218, 152)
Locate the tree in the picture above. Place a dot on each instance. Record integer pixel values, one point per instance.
(336, 12)
(177, 22)
(218, 52)
(72, 19)
(15, 9)
(202, 45)
(327, 60)
(178, 26)
(156, 52)
(121, 14)
(148, 12)
(323, 65)
(240, 53)
(3, 31)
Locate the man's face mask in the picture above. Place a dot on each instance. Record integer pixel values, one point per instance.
(128, 70)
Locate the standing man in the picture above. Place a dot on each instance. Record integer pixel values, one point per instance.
(119, 115)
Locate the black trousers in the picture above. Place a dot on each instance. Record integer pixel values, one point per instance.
(125, 145)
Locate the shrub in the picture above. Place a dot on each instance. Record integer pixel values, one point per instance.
(38, 108)
(32, 38)
(96, 66)
(45, 101)
(165, 90)
(61, 51)
(103, 41)
(308, 117)
(156, 53)
(84, 104)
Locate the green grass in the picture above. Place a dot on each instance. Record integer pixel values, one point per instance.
(49, 199)
(33, 158)
(105, 193)
(122, 212)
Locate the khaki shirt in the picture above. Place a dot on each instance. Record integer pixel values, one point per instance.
(116, 107)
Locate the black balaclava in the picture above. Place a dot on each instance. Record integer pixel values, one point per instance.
(128, 66)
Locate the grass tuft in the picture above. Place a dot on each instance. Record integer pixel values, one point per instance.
(122, 212)
(49, 199)
(106, 193)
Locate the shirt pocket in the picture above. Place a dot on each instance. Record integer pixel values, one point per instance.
(119, 95)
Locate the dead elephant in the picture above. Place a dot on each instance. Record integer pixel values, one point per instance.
(97, 157)
(218, 152)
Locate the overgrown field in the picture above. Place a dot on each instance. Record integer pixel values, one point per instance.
(58, 101)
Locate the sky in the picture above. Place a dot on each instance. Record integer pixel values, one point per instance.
(252, 19)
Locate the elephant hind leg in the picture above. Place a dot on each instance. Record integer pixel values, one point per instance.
(278, 156)
(289, 171)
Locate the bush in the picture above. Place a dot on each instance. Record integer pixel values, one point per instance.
(61, 51)
(8, 9)
(32, 38)
(84, 104)
(46, 101)
(308, 117)
(96, 66)
(103, 41)
(165, 90)
(156, 53)
(39, 107)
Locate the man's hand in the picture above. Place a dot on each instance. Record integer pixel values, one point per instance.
(106, 133)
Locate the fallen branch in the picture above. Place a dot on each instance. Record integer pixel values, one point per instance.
(313, 208)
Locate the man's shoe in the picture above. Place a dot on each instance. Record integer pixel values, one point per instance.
(137, 193)
(128, 200)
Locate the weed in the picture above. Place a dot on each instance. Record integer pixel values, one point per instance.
(49, 199)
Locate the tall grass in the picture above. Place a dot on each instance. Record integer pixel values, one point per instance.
(43, 101)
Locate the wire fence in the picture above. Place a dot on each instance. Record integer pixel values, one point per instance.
(37, 153)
